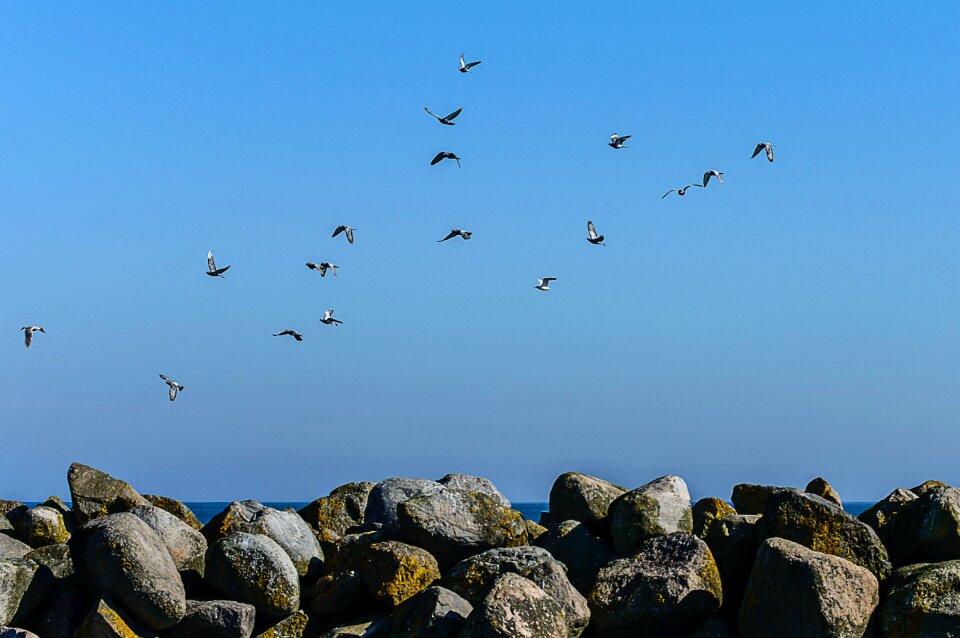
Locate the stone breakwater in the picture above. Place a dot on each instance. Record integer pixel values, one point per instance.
(449, 558)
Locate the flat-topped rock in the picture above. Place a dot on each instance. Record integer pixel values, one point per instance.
(584, 498)
(95, 493)
(658, 508)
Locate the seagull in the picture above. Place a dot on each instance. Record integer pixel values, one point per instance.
(544, 284)
(681, 191)
(448, 120)
(344, 229)
(324, 266)
(212, 269)
(617, 141)
(764, 146)
(592, 235)
(708, 175)
(292, 333)
(328, 318)
(28, 333)
(442, 155)
(174, 387)
(456, 232)
(466, 66)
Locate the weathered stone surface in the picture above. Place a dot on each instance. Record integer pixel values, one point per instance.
(480, 484)
(104, 621)
(371, 626)
(922, 601)
(176, 508)
(534, 530)
(339, 595)
(393, 572)
(583, 498)
(348, 552)
(62, 612)
(39, 526)
(294, 626)
(57, 503)
(186, 545)
(794, 592)
(58, 560)
(23, 584)
(340, 512)
(579, 549)
(821, 526)
(252, 568)
(515, 607)
(95, 493)
(122, 559)
(386, 497)
(733, 540)
(12, 548)
(5, 525)
(453, 524)
(748, 498)
(13, 632)
(215, 619)
(707, 510)
(883, 515)
(929, 529)
(660, 507)
(435, 612)
(551, 577)
(669, 586)
(6, 506)
(821, 488)
(926, 486)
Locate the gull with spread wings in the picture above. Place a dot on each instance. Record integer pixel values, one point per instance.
(174, 386)
(212, 269)
(447, 119)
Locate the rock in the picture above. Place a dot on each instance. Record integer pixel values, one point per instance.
(393, 572)
(669, 586)
(929, 528)
(372, 626)
(821, 526)
(104, 621)
(62, 612)
(796, 592)
(13, 632)
(752, 499)
(707, 510)
(215, 619)
(57, 503)
(583, 498)
(551, 577)
(453, 524)
(386, 496)
(733, 540)
(341, 511)
(515, 607)
(888, 519)
(336, 596)
(252, 568)
(176, 508)
(821, 488)
(286, 528)
(294, 626)
(576, 547)
(348, 552)
(95, 493)
(921, 601)
(39, 526)
(12, 548)
(713, 627)
(122, 559)
(926, 486)
(5, 525)
(435, 612)
(534, 530)
(186, 545)
(58, 560)
(23, 585)
(6, 506)
(470, 483)
(660, 507)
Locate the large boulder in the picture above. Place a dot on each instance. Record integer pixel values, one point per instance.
(660, 507)
(369, 626)
(707, 510)
(480, 484)
(667, 587)
(186, 545)
(926, 486)
(435, 612)
(338, 596)
(888, 519)
(929, 529)
(922, 601)
(105, 621)
(122, 559)
(824, 527)
(583, 498)
(58, 560)
(535, 530)
(579, 549)
(515, 607)
(795, 592)
(95, 493)
(748, 498)
(733, 540)
(393, 572)
(341, 511)
(252, 568)
(453, 524)
(215, 619)
(62, 612)
(821, 488)
(39, 526)
(12, 548)
(295, 625)
(176, 508)
(386, 497)
(23, 584)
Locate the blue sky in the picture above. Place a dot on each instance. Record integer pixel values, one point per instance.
(800, 320)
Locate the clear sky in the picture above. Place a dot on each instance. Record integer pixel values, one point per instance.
(803, 319)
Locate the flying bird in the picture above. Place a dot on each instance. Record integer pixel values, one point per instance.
(448, 119)
(324, 266)
(681, 191)
(328, 318)
(344, 229)
(617, 141)
(456, 232)
(442, 155)
(592, 235)
(174, 387)
(544, 284)
(290, 333)
(28, 333)
(212, 269)
(766, 147)
(708, 175)
(466, 66)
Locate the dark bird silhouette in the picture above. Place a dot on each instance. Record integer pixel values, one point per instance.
(212, 269)
(712, 173)
(290, 333)
(323, 267)
(28, 334)
(544, 284)
(442, 155)
(616, 141)
(328, 318)
(448, 119)
(681, 191)
(344, 229)
(174, 387)
(764, 146)
(455, 232)
(592, 235)
(466, 66)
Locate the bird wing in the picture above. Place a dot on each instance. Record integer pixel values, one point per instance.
(431, 113)
(706, 178)
(470, 65)
(458, 160)
(591, 231)
(549, 279)
(27, 336)
(672, 190)
(624, 138)
(350, 235)
(452, 234)
(221, 270)
(297, 335)
(211, 265)
(312, 266)
(462, 64)
(339, 230)
(719, 176)
(164, 378)
(757, 150)
(454, 114)
(436, 158)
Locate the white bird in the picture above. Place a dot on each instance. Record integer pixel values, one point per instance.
(764, 146)
(291, 333)
(681, 191)
(709, 174)
(448, 119)
(466, 66)
(174, 387)
(456, 232)
(617, 141)
(544, 284)
(212, 269)
(592, 235)
(28, 333)
(323, 267)
(442, 155)
(344, 229)
(328, 318)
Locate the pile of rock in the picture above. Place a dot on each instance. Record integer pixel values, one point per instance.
(450, 558)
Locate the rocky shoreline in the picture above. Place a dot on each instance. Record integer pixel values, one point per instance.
(446, 559)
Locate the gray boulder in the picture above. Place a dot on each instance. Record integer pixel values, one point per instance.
(515, 607)
(926, 486)
(340, 512)
(186, 545)
(95, 493)
(707, 510)
(748, 498)
(794, 592)
(922, 601)
(660, 507)
(12, 548)
(176, 508)
(534, 530)
(252, 568)
(105, 621)
(39, 526)
(215, 619)
(122, 559)
(23, 585)
(821, 488)
(929, 529)
(579, 549)
(668, 587)
(733, 540)
(433, 613)
(58, 560)
(338, 596)
(370, 626)
(583, 498)
(386, 497)
(480, 484)
(296, 625)
(393, 572)
(62, 612)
